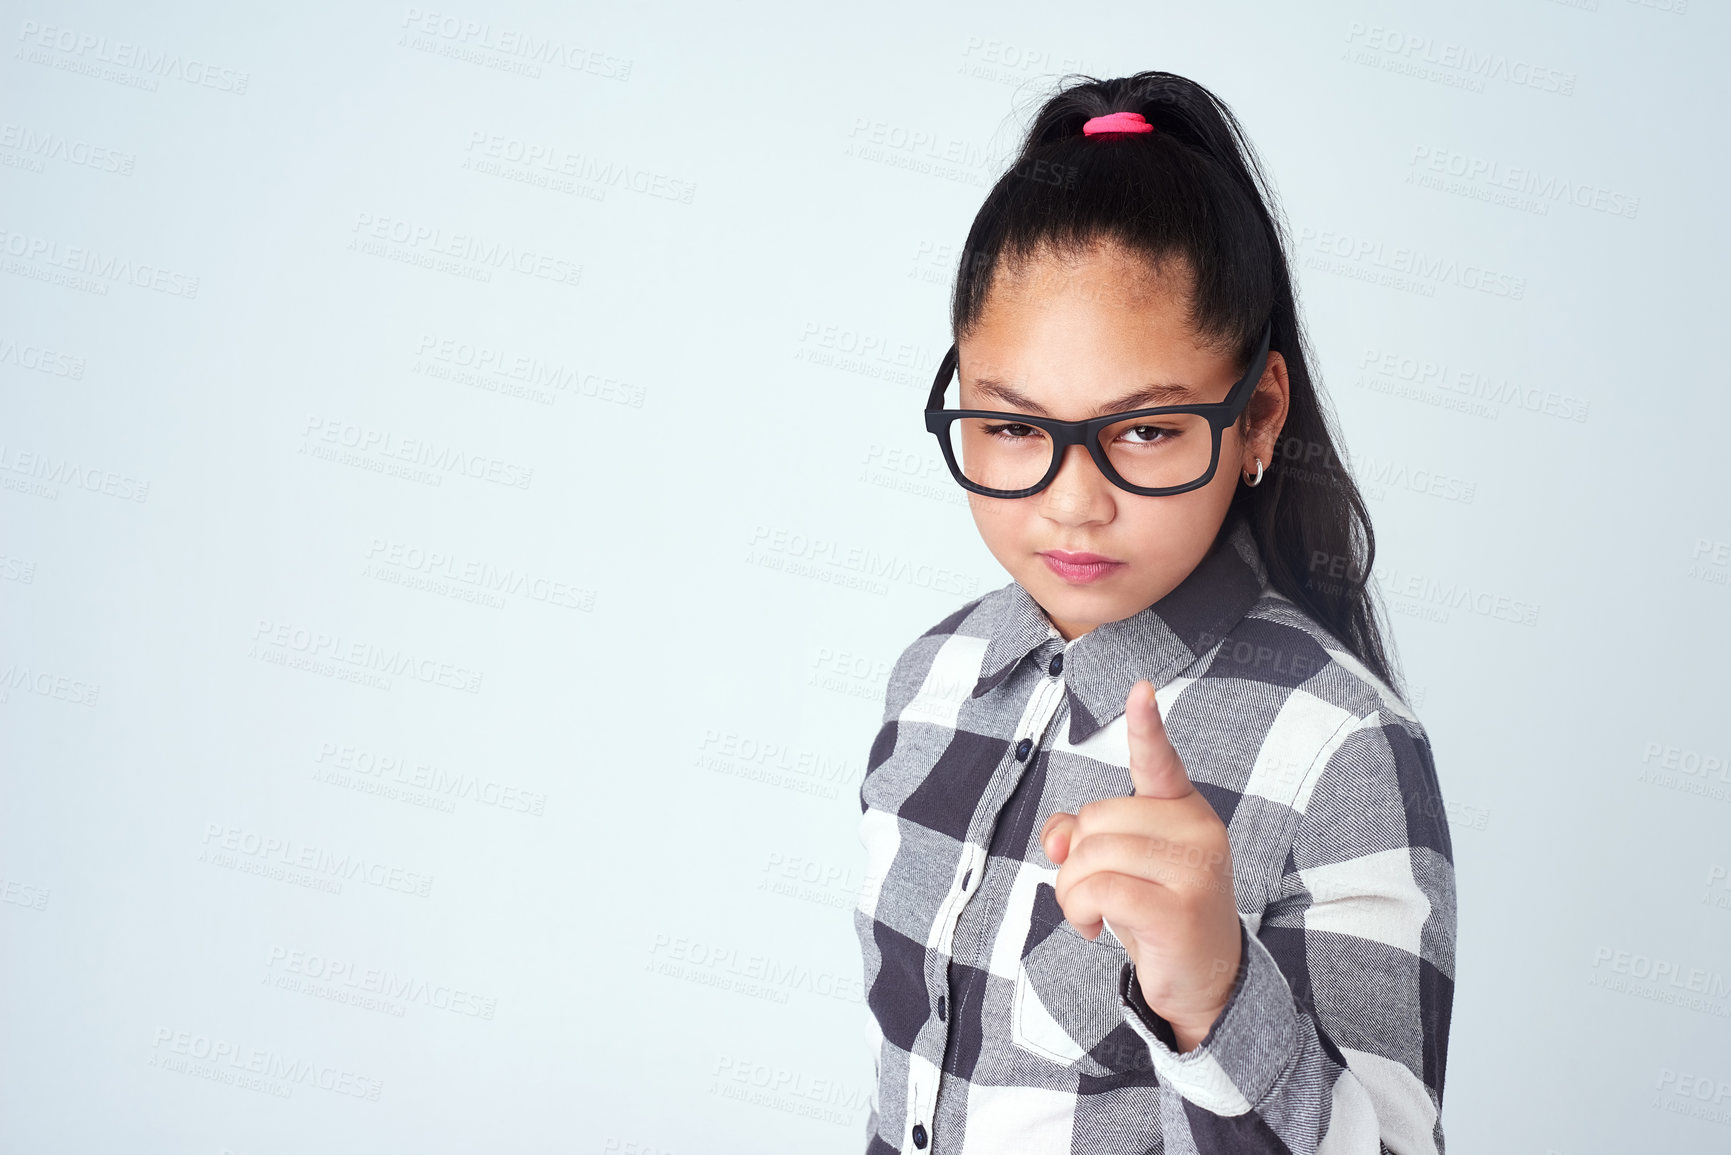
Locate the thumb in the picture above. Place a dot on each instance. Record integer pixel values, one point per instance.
(1055, 836)
(1155, 768)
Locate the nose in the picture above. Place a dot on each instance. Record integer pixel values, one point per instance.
(1080, 493)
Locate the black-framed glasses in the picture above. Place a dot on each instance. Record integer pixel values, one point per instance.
(1152, 452)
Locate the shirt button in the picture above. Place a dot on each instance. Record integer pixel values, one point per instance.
(920, 1136)
(1022, 749)
(1057, 666)
(940, 1008)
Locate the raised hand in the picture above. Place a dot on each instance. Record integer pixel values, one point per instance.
(1157, 866)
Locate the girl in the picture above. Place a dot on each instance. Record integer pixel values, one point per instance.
(1157, 859)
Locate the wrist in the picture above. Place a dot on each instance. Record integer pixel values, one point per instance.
(1190, 1027)
(1190, 1033)
(1182, 1033)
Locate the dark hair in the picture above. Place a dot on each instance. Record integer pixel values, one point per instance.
(1192, 193)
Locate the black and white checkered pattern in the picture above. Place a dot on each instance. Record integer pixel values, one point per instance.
(998, 1028)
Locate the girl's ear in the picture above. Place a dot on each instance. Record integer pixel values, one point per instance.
(1264, 417)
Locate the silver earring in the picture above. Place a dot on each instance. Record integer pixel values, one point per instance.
(1258, 480)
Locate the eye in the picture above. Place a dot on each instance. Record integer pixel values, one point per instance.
(1010, 431)
(1148, 434)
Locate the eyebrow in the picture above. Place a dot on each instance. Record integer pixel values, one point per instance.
(1146, 397)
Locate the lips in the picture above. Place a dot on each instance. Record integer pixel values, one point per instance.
(1080, 568)
(1077, 558)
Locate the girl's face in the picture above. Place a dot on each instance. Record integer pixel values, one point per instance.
(1083, 336)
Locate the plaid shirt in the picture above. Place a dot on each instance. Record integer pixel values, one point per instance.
(998, 1028)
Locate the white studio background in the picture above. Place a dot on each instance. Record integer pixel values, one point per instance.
(460, 499)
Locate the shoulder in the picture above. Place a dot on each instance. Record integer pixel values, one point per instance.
(957, 638)
(1330, 727)
(1277, 641)
(1354, 769)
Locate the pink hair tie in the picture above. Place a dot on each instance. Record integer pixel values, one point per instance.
(1117, 122)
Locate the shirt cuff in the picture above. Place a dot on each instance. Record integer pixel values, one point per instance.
(1252, 1041)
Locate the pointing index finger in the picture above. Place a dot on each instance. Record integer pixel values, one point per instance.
(1155, 768)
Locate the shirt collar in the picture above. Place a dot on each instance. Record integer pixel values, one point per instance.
(1154, 643)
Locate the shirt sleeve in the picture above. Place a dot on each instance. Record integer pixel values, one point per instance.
(1335, 1034)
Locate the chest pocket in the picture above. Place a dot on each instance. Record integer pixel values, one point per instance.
(1066, 994)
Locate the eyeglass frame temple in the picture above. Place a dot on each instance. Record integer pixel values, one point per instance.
(1086, 433)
